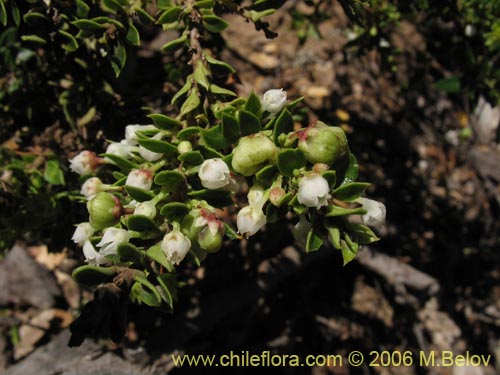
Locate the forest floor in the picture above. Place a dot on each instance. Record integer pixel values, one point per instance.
(432, 283)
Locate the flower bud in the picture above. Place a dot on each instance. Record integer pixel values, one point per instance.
(323, 144)
(250, 219)
(83, 232)
(92, 257)
(210, 238)
(313, 191)
(121, 149)
(92, 186)
(276, 194)
(214, 173)
(184, 146)
(130, 132)
(112, 237)
(375, 217)
(105, 210)
(84, 163)
(252, 153)
(175, 245)
(274, 100)
(147, 208)
(140, 178)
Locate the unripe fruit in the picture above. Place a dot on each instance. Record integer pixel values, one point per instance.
(252, 153)
(105, 210)
(323, 144)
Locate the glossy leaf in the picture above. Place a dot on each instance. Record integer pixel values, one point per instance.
(133, 36)
(171, 179)
(249, 123)
(350, 192)
(146, 292)
(334, 234)
(191, 157)
(165, 292)
(141, 223)
(144, 16)
(290, 159)
(33, 38)
(231, 233)
(93, 275)
(214, 24)
(170, 15)
(164, 122)
(213, 61)
(313, 242)
(266, 175)
(140, 195)
(174, 211)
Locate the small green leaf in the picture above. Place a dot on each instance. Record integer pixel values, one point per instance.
(140, 195)
(121, 162)
(171, 179)
(93, 275)
(266, 175)
(289, 160)
(192, 102)
(165, 292)
(53, 173)
(15, 12)
(145, 292)
(249, 123)
(163, 4)
(155, 145)
(209, 153)
(191, 157)
(330, 176)
(214, 138)
(313, 242)
(164, 122)
(214, 89)
(350, 192)
(274, 213)
(82, 9)
(451, 84)
(231, 233)
(118, 175)
(334, 211)
(230, 128)
(118, 58)
(72, 43)
(3, 13)
(256, 16)
(216, 62)
(361, 233)
(283, 125)
(334, 233)
(253, 104)
(129, 253)
(32, 18)
(349, 249)
(187, 133)
(170, 15)
(156, 253)
(214, 24)
(183, 90)
(174, 211)
(141, 223)
(200, 74)
(351, 172)
(111, 6)
(207, 4)
(175, 44)
(144, 16)
(133, 35)
(217, 198)
(88, 25)
(32, 38)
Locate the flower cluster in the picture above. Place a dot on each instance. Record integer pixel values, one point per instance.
(174, 183)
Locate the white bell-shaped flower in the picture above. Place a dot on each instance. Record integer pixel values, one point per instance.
(140, 178)
(147, 208)
(83, 232)
(313, 191)
(92, 257)
(175, 245)
(121, 149)
(130, 132)
(92, 186)
(249, 220)
(214, 173)
(84, 163)
(273, 100)
(375, 217)
(111, 238)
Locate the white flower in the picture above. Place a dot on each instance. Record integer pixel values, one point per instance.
(255, 195)
(92, 186)
(274, 100)
(140, 178)
(313, 191)
(175, 245)
(301, 230)
(83, 232)
(147, 208)
(375, 216)
(92, 257)
(122, 149)
(84, 163)
(149, 155)
(250, 219)
(130, 132)
(214, 173)
(111, 238)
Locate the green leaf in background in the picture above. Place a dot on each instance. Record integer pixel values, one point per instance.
(249, 123)
(164, 122)
(174, 211)
(33, 38)
(253, 104)
(121, 162)
(330, 176)
(451, 84)
(72, 43)
(133, 36)
(15, 12)
(144, 16)
(334, 235)
(140, 195)
(214, 138)
(313, 242)
(350, 192)
(3, 13)
(361, 234)
(290, 159)
(191, 103)
(88, 25)
(112, 6)
(349, 249)
(93, 275)
(170, 15)
(82, 9)
(171, 179)
(53, 173)
(214, 89)
(214, 24)
(230, 128)
(175, 44)
(351, 173)
(118, 58)
(201, 73)
(283, 125)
